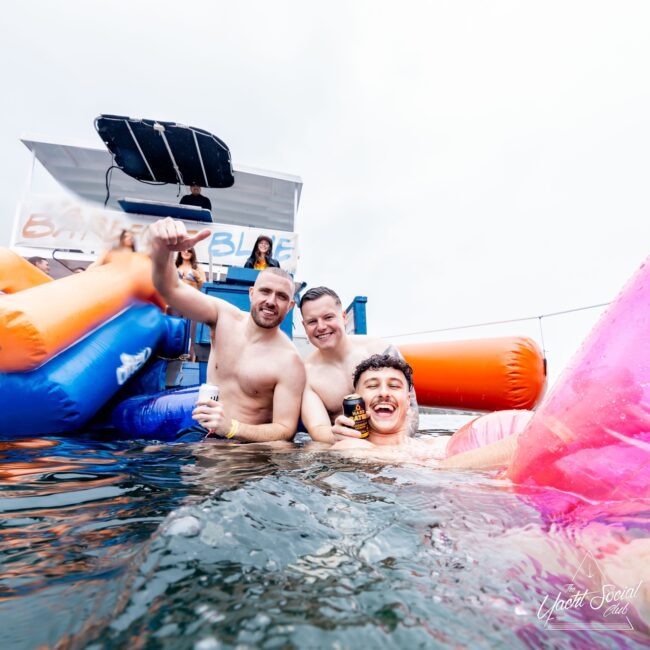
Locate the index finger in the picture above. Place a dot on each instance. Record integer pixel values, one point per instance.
(200, 236)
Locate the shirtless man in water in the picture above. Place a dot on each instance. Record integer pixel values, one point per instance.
(331, 366)
(258, 370)
(383, 382)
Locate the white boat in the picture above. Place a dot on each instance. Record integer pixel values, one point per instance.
(75, 225)
(137, 175)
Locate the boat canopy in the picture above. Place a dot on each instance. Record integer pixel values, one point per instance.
(166, 152)
(258, 198)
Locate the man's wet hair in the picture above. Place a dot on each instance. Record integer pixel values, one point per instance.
(318, 292)
(276, 270)
(379, 361)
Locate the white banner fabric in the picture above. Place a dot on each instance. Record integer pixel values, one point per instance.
(67, 224)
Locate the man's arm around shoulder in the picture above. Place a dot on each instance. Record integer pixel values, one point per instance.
(315, 416)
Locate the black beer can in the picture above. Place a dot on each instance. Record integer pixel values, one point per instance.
(355, 408)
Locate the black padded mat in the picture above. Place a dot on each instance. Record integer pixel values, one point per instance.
(140, 151)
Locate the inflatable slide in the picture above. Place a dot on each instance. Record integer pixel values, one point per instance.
(67, 346)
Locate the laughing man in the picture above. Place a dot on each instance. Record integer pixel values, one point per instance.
(383, 382)
(331, 366)
(258, 370)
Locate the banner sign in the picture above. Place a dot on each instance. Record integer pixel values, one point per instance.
(66, 224)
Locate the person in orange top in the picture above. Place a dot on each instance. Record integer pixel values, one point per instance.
(190, 273)
(262, 255)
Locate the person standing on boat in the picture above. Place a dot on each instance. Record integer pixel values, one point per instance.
(258, 370)
(192, 274)
(262, 255)
(40, 263)
(125, 246)
(330, 367)
(196, 198)
(189, 270)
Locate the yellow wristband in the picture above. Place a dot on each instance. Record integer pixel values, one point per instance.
(234, 427)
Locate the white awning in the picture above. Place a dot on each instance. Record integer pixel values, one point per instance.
(259, 198)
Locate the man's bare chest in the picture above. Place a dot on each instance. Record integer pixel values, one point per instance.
(251, 366)
(332, 384)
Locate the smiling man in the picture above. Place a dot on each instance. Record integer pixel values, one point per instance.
(258, 370)
(383, 382)
(330, 367)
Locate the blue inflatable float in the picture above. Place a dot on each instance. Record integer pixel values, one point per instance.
(65, 393)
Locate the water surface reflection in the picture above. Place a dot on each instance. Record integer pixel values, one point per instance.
(114, 544)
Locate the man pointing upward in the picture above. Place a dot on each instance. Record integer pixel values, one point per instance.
(258, 370)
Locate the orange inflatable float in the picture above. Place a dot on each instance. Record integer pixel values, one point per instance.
(40, 322)
(17, 274)
(483, 374)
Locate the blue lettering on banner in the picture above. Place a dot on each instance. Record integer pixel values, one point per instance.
(284, 250)
(221, 244)
(240, 252)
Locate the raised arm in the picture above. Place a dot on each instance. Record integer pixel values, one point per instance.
(168, 236)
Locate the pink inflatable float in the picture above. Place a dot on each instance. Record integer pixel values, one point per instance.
(590, 438)
(487, 429)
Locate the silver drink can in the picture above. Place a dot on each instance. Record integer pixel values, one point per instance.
(208, 392)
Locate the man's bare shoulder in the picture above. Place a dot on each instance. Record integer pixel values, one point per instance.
(294, 374)
(291, 359)
(295, 359)
(284, 343)
(314, 360)
(228, 309)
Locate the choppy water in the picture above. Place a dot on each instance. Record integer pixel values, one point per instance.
(114, 544)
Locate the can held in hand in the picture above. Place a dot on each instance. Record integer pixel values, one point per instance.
(209, 391)
(354, 407)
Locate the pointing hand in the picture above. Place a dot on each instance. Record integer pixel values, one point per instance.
(170, 235)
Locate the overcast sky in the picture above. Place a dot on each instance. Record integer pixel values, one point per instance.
(463, 161)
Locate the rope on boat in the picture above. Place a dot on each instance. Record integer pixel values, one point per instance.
(501, 322)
